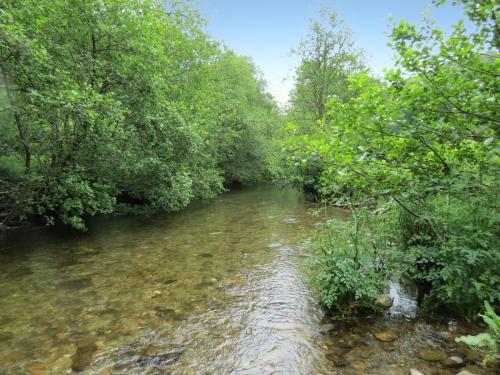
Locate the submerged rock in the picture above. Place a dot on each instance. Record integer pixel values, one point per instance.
(99, 344)
(83, 356)
(325, 328)
(385, 301)
(337, 357)
(37, 369)
(359, 366)
(470, 355)
(453, 361)
(149, 294)
(160, 359)
(431, 355)
(386, 336)
(168, 313)
(6, 336)
(204, 284)
(77, 284)
(164, 312)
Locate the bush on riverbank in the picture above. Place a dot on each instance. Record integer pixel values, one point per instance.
(423, 145)
(351, 264)
(112, 103)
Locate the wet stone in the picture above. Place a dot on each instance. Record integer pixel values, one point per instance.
(204, 284)
(385, 301)
(113, 313)
(359, 365)
(431, 355)
(439, 371)
(83, 356)
(99, 344)
(168, 313)
(471, 355)
(386, 336)
(325, 328)
(345, 343)
(77, 284)
(471, 370)
(37, 369)
(337, 359)
(453, 361)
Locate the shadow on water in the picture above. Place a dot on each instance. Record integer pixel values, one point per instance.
(214, 289)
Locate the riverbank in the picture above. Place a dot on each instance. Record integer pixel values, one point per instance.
(401, 340)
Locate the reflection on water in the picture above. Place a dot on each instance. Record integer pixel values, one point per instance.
(215, 289)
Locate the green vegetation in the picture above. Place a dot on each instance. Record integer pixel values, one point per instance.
(347, 267)
(422, 146)
(327, 59)
(122, 105)
(489, 341)
(128, 105)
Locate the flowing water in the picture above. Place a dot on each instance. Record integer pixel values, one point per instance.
(215, 289)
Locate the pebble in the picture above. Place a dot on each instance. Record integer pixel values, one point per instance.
(386, 336)
(415, 372)
(454, 361)
(325, 328)
(465, 372)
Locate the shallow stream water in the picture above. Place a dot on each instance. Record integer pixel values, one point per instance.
(216, 289)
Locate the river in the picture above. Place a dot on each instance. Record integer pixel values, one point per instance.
(218, 288)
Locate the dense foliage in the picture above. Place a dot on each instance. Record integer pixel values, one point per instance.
(351, 263)
(108, 105)
(327, 59)
(129, 105)
(423, 144)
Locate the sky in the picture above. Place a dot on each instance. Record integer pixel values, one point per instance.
(267, 30)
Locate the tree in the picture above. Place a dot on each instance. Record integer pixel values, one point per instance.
(121, 105)
(327, 58)
(425, 143)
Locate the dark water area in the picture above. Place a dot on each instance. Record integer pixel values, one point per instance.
(216, 289)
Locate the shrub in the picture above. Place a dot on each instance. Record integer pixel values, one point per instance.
(348, 266)
(452, 249)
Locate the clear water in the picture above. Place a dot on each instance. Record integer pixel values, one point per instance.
(215, 289)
